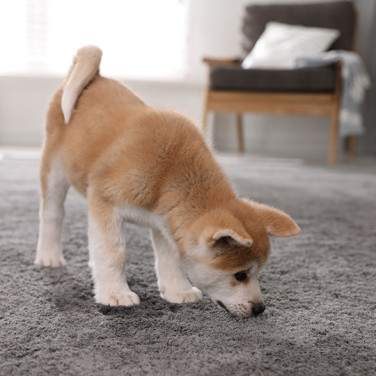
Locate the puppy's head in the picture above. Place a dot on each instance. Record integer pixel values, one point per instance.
(226, 249)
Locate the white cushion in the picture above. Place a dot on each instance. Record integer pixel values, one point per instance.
(280, 44)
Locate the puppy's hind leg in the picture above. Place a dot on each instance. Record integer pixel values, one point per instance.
(54, 187)
(172, 282)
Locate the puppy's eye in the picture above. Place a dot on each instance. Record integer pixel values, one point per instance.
(241, 276)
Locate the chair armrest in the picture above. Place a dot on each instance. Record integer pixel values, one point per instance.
(213, 62)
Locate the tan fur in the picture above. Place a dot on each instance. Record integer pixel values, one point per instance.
(85, 66)
(118, 151)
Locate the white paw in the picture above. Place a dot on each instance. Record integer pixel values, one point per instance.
(122, 298)
(188, 296)
(50, 259)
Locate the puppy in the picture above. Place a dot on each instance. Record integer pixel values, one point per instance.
(151, 167)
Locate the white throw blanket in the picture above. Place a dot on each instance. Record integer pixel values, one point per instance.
(355, 81)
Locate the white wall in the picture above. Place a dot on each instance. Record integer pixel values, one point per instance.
(24, 100)
(215, 26)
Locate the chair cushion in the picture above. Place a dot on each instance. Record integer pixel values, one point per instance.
(339, 15)
(291, 80)
(281, 44)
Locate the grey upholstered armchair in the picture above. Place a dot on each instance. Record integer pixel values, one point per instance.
(302, 91)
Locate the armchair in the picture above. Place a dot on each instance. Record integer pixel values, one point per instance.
(313, 91)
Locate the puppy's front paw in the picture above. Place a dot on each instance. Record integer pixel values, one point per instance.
(50, 259)
(188, 296)
(123, 298)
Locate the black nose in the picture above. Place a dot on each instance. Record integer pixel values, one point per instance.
(258, 308)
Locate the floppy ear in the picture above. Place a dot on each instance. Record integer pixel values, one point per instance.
(277, 222)
(227, 237)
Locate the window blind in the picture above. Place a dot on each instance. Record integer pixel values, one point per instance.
(139, 38)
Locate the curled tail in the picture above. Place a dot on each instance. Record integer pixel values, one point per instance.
(84, 68)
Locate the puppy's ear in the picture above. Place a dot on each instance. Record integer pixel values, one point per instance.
(277, 222)
(227, 237)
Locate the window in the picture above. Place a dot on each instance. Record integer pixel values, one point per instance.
(139, 38)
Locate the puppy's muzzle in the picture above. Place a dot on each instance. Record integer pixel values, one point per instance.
(256, 310)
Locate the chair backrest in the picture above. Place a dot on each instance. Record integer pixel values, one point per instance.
(339, 15)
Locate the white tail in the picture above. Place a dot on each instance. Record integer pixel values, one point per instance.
(84, 68)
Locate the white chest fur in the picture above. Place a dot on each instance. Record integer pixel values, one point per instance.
(146, 218)
(140, 217)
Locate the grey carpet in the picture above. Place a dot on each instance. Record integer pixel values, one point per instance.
(319, 288)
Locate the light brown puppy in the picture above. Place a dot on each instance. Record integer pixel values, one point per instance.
(151, 167)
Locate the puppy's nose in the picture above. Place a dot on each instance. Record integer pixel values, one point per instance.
(258, 308)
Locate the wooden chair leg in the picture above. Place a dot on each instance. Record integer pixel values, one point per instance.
(205, 111)
(333, 142)
(239, 125)
(332, 156)
(352, 147)
(204, 123)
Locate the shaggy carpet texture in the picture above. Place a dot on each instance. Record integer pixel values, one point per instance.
(319, 288)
